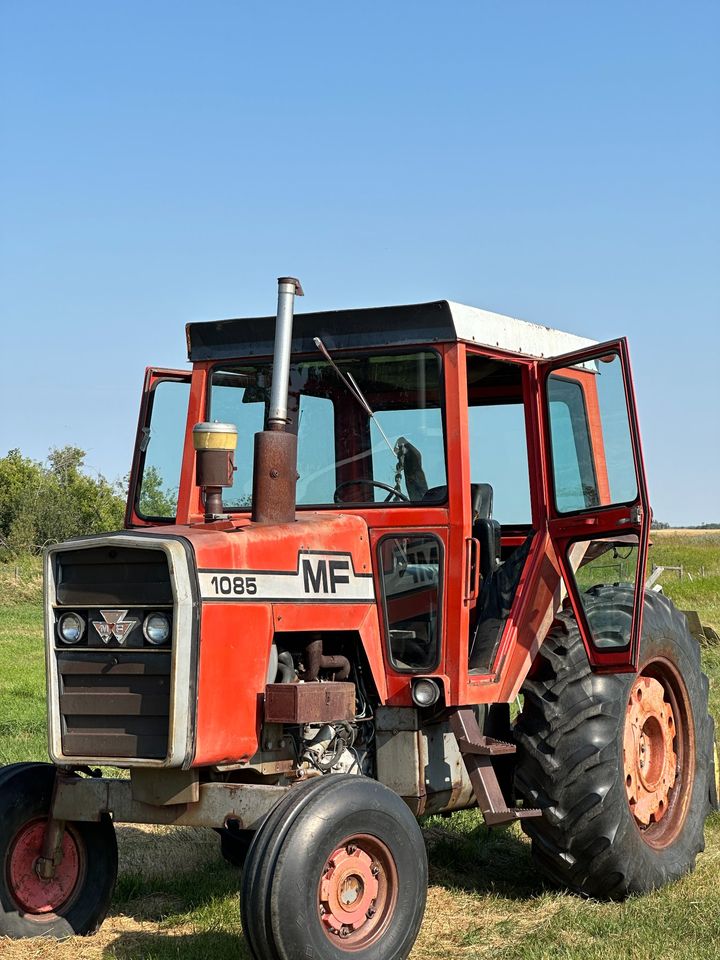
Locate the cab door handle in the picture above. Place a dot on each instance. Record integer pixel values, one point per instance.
(472, 569)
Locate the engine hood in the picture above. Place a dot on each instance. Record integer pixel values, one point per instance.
(321, 558)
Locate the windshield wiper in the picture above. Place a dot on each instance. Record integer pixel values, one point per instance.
(350, 383)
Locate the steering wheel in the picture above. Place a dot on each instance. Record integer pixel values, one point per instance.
(392, 491)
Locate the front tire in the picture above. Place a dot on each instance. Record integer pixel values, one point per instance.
(338, 868)
(77, 898)
(621, 764)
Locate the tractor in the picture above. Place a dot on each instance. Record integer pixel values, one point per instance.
(377, 564)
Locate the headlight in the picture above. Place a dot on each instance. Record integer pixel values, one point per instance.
(425, 692)
(156, 628)
(71, 627)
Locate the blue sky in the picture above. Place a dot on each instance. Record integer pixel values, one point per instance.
(164, 162)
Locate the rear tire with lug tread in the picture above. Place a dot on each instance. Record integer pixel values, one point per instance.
(621, 764)
(76, 900)
(338, 868)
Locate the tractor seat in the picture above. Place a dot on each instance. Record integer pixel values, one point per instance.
(484, 528)
(481, 497)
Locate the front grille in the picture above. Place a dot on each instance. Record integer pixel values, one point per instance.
(114, 690)
(114, 704)
(112, 575)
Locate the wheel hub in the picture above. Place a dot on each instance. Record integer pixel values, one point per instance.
(33, 894)
(650, 760)
(348, 890)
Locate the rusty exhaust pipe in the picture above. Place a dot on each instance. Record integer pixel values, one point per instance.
(316, 660)
(275, 464)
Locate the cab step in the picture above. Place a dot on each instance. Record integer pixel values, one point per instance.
(477, 752)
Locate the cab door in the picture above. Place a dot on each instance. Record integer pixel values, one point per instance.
(596, 496)
(157, 459)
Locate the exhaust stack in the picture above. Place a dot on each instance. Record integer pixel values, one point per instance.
(275, 464)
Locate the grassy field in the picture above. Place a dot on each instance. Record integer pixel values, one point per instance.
(177, 900)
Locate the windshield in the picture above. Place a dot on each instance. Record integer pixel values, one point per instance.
(342, 455)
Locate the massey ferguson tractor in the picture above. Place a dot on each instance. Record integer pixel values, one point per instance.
(354, 539)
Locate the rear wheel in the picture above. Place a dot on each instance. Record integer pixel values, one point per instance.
(621, 764)
(339, 867)
(76, 899)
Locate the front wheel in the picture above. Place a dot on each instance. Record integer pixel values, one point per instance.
(338, 868)
(621, 764)
(76, 899)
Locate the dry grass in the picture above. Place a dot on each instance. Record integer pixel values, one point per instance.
(686, 532)
(155, 854)
(152, 918)
(21, 582)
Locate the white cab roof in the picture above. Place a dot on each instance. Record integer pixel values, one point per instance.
(508, 333)
(439, 321)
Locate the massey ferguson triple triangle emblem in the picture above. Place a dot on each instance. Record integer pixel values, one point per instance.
(115, 625)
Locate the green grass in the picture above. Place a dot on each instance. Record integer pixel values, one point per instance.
(699, 554)
(177, 900)
(22, 684)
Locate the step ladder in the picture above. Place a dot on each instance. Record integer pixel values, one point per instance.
(477, 752)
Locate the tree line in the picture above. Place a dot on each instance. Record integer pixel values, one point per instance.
(660, 525)
(49, 501)
(55, 500)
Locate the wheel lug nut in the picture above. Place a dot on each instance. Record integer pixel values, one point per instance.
(344, 932)
(371, 913)
(374, 869)
(351, 848)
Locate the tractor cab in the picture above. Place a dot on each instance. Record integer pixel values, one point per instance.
(468, 443)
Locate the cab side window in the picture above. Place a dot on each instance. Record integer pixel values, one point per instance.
(592, 455)
(411, 576)
(497, 437)
(162, 450)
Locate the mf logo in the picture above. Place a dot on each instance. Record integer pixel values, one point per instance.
(115, 625)
(324, 576)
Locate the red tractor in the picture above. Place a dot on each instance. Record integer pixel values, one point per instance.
(353, 540)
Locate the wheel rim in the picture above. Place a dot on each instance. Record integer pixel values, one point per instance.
(37, 898)
(357, 893)
(659, 752)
